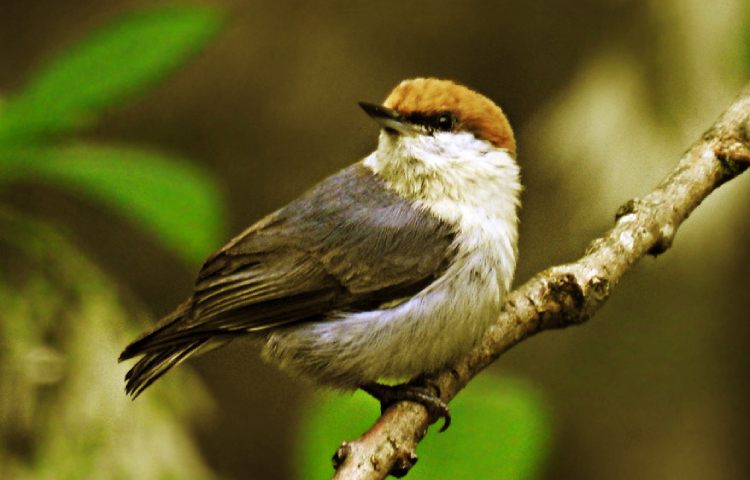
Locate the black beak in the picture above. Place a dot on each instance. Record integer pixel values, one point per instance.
(387, 118)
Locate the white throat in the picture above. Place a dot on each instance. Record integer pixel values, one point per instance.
(463, 180)
(447, 166)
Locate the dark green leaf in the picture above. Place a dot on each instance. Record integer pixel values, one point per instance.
(118, 60)
(500, 430)
(177, 201)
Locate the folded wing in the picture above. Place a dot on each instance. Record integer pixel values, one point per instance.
(349, 244)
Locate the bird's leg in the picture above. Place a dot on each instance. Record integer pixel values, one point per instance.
(422, 394)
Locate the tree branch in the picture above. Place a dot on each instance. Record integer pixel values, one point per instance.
(567, 294)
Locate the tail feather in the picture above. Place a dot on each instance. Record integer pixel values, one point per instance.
(141, 345)
(153, 365)
(157, 356)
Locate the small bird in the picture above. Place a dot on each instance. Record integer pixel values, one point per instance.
(392, 268)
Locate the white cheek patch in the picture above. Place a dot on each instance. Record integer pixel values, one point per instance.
(452, 166)
(441, 149)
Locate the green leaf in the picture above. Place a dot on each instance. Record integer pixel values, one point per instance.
(102, 70)
(179, 202)
(500, 430)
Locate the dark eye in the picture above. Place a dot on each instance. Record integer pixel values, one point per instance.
(444, 121)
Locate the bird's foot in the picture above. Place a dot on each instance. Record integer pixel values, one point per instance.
(424, 395)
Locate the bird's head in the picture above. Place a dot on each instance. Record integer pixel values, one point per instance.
(442, 114)
(439, 138)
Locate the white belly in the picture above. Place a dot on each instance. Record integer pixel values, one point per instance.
(421, 335)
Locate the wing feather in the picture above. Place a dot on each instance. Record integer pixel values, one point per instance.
(348, 244)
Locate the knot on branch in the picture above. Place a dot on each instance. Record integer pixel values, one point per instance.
(627, 208)
(564, 301)
(731, 147)
(405, 459)
(340, 455)
(733, 154)
(663, 237)
(570, 297)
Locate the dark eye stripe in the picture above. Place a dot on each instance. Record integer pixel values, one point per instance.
(443, 121)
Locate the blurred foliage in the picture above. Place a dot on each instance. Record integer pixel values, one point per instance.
(63, 412)
(104, 69)
(501, 431)
(174, 199)
(178, 202)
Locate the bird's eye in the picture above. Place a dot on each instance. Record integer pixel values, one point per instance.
(444, 121)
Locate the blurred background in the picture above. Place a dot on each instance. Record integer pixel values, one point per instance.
(135, 139)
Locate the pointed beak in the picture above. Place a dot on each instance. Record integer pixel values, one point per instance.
(388, 118)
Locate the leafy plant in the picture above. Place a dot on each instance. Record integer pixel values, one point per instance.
(61, 395)
(176, 201)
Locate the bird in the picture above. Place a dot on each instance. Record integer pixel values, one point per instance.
(391, 269)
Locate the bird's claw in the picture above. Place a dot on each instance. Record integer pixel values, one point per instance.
(391, 394)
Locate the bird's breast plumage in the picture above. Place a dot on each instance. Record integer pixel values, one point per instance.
(435, 326)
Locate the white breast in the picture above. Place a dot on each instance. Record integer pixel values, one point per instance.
(468, 183)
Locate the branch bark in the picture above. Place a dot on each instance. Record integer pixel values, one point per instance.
(567, 294)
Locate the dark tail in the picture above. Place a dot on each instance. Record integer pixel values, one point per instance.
(160, 353)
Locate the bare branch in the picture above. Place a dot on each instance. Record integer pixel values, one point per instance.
(567, 294)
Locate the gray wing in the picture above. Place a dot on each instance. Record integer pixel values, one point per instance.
(348, 244)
